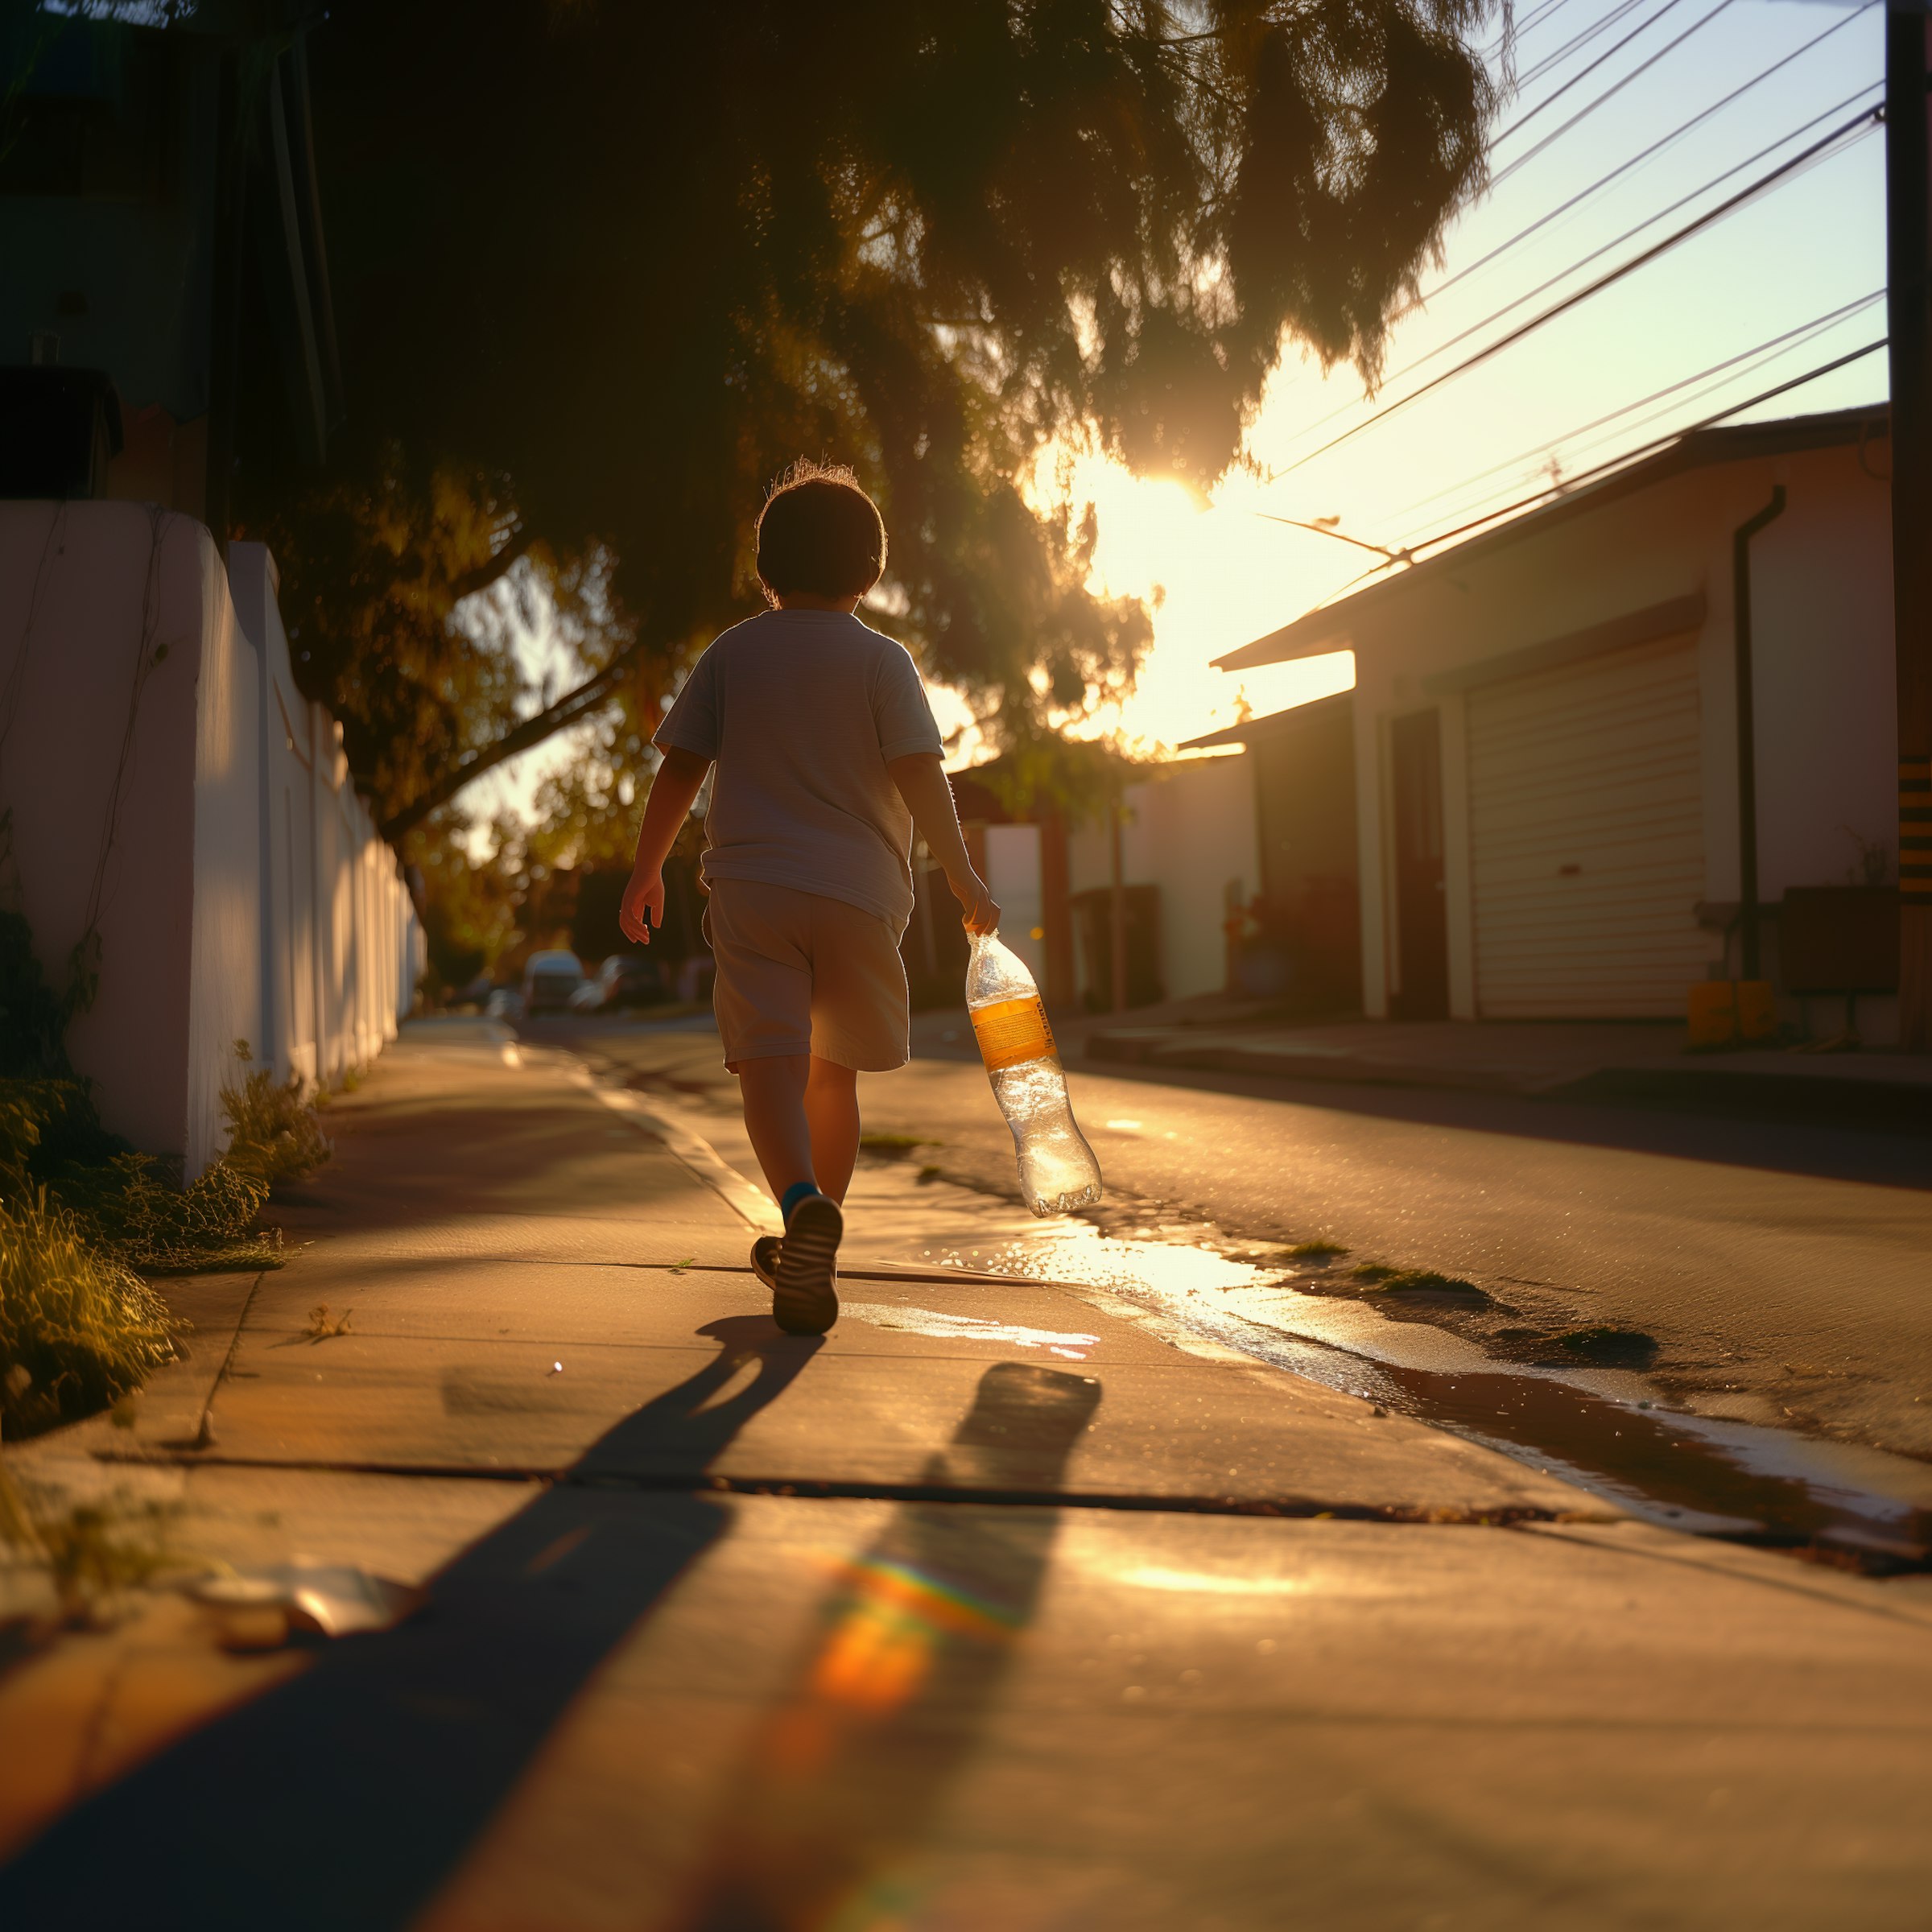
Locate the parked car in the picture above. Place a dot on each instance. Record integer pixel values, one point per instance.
(504, 1003)
(625, 979)
(549, 980)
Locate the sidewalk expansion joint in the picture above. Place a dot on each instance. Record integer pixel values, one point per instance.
(984, 1495)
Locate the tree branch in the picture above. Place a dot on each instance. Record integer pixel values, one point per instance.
(588, 696)
(517, 547)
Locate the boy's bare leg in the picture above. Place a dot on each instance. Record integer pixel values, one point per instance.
(773, 1092)
(832, 1114)
(802, 1116)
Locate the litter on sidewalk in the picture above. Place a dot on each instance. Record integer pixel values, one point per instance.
(261, 1608)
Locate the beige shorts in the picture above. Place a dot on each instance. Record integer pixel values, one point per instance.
(801, 973)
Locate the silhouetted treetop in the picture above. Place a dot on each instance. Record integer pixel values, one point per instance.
(633, 259)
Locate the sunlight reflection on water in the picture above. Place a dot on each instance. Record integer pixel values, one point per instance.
(969, 1327)
(1074, 1251)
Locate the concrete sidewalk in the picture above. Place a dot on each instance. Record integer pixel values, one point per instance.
(1610, 1060)
(995, 1607)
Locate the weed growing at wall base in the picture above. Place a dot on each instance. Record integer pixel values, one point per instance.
(51, 1140)
(274, 1132)
(79, 1213)
(81, 1210)
(78, 1328)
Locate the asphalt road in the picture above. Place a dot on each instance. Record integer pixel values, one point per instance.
(1784, 1273)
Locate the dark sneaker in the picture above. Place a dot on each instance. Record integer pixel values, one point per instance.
(764, 1251)
(804, 1299)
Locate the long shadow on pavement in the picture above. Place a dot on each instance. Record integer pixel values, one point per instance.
(822, 1823)
(343, 1797)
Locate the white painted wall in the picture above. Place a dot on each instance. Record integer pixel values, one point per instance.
(1190, 831)
(141, 781)
(224, 975)
(1012, 876)
(337, 965)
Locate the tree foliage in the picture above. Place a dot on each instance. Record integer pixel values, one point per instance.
(612, 266)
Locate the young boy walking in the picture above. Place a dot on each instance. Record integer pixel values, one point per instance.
(827, 757)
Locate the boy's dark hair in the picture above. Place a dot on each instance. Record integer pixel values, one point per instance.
(818, 531)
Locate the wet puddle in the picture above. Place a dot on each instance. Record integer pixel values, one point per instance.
(968, 1327)
(1609, 1430)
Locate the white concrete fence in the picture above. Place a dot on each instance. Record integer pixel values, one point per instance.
(181, 816)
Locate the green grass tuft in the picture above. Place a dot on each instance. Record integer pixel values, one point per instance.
(78, 1328)
(1605, 1348)
(1423, 1284)
(1314, 1251)
(93, 1553)
(274, 1133)
(893, 1146)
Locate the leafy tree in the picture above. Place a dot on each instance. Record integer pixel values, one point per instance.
(630, 261)
(471, 907)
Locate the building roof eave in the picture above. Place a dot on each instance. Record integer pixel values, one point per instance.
(1270, 723)
(1335, 626)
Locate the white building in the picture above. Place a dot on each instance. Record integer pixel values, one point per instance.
(1549, 818)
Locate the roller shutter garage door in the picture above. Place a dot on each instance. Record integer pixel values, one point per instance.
(1587, 835)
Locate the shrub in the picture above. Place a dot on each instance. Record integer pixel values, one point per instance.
(78, 1328)
(138, 1217)
(52, 1141)
(274, 1133)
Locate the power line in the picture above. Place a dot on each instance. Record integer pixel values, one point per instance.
(1328, 529)
(1649, 221)
(1702, 391)
(1411, 553)
(1550, 281)
(1863, 123)
(1582, 74)
(1577, 42)
(1643, 155)
(1528, 24)
(1644, 449)
(1766, 350)
(1609, 93)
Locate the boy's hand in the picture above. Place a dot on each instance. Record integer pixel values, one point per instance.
(643, 905)
(981, 914)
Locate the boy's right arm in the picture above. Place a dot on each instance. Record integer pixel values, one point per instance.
(921, 780)
(673, 792)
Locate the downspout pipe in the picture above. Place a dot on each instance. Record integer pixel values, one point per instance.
(1750, 935)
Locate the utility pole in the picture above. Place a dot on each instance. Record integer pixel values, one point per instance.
(1909, 324)
(1116, 906)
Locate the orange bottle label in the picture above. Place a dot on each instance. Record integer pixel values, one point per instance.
(1010, 1031)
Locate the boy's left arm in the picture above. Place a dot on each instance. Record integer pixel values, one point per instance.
(673, 792)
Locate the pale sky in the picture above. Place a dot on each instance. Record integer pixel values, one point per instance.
(1813, 244)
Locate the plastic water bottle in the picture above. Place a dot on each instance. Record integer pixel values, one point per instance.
(1057, 1171)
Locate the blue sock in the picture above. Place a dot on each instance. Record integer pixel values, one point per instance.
(793, 1194)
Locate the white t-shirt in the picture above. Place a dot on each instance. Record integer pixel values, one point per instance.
(801, 709)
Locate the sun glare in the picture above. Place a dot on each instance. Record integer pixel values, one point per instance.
(1216, 575)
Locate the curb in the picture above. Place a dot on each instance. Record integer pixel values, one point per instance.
(1887, 1105)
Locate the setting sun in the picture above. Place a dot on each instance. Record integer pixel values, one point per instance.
(1214, 574)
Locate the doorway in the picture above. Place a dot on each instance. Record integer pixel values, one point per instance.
(1421, 917)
